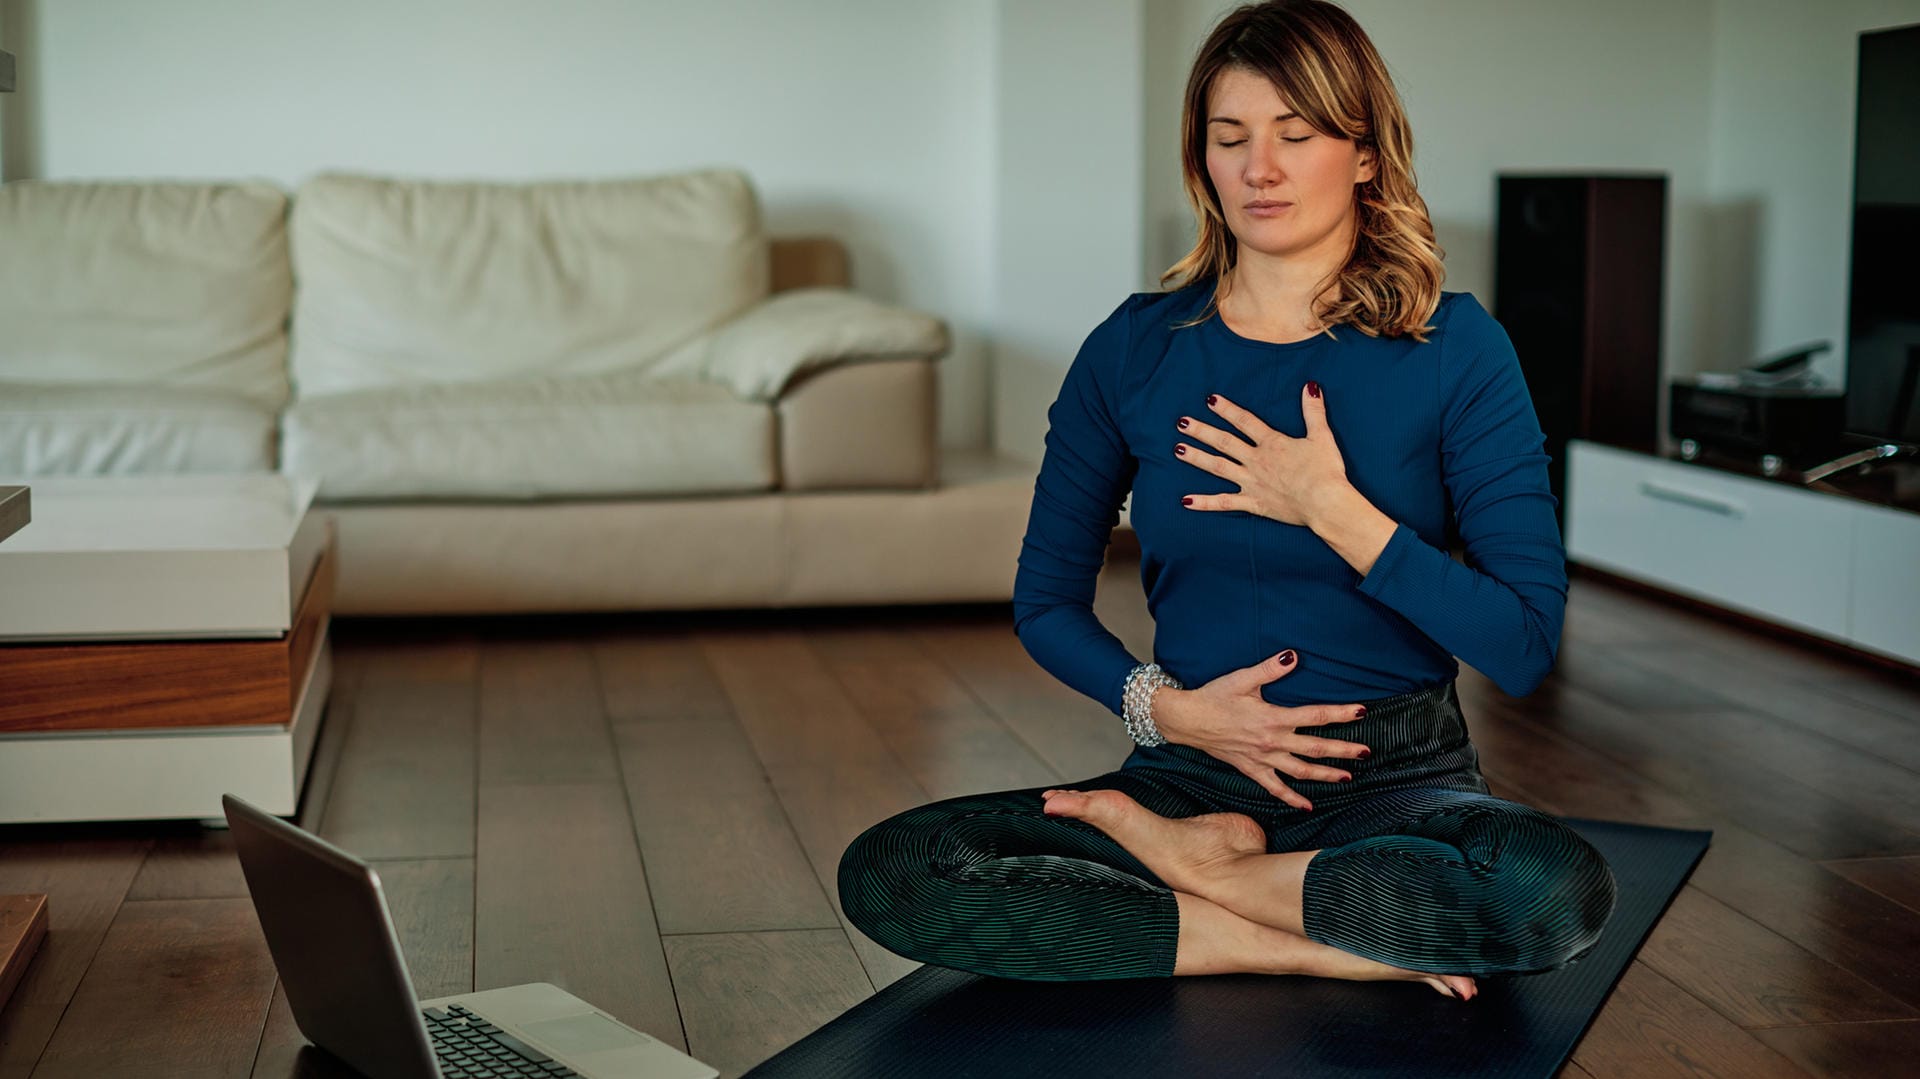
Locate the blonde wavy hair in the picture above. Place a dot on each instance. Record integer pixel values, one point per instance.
(1328, 71)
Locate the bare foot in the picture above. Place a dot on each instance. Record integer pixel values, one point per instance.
(1190, 853)
(1330, 962)
(1185, 852)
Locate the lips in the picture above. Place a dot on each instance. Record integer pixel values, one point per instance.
(1267, 205)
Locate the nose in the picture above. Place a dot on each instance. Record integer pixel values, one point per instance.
(1263, 164)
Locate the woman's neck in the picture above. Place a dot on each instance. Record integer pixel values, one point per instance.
(1280, 294)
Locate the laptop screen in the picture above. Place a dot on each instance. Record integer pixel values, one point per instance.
(333, 942)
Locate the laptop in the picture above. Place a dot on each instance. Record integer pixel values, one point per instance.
(333, 941)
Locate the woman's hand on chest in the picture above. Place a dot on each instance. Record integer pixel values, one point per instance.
(1292, 480)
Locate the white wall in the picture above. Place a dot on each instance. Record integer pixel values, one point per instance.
(1008, 164)
(1068, 196)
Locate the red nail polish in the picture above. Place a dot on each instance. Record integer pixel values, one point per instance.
(1287, 656)
(1188, 501)
(1360, 712)
(1211, 398)
(1365, 753)
(1181, 450)
(1313, 388)
(1346, 779)
(1183, 423)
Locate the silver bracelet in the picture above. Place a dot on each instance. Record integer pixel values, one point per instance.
(1136, 697)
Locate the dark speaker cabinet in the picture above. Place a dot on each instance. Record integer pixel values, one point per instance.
(1579, 265)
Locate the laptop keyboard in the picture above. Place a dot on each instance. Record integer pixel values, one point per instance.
(469, 1047)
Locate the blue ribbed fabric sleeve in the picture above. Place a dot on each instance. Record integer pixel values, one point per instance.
(1502, 612)
(1084, 477)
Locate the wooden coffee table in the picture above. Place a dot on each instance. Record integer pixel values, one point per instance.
(23, 918)
(163, 640)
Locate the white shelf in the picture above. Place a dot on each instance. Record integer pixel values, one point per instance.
(1824, 564)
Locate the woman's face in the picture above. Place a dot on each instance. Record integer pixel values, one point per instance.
(1258, 150)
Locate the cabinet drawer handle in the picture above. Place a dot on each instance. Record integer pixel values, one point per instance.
(1688, 498)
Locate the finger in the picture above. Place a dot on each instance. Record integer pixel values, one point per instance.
(1271, 669)
(1328, 748)
(1313, 407)
(1249, 424)
(1228, 446)
(1266, 778)
(1334, 713)
(1231, 501)
(1299, 769)
(1218, 464)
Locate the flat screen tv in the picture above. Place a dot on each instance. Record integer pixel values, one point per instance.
(1883, 323)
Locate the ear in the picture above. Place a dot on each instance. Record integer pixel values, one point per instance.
(1369, 164)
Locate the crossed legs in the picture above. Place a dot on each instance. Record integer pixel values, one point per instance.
(1240, 907)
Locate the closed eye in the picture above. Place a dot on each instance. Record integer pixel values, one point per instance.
(1302, 138)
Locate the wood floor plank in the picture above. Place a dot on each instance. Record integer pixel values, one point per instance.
(405, 787)
(431, 901)
(1672, 750)
(1650, 1028)
(188, 861)
(657, 675)
(1896, 878)
(1849, 1050)
(1848, 774)
(179, 988)
(747, 996)
(830, 806)
(950, 742)
(541, 716)
(1629, 686)
(1073, 734)
(683, 758)
(831, 770)
(1885, 738)
(721, 855)
(1752, 975)
(1894, 692)
(560, 896)
(84, 873)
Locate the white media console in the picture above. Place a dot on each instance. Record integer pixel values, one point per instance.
(1826, 563)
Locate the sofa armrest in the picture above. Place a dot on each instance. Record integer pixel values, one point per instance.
(758, 354)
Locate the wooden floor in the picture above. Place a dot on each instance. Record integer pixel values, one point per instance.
(650, 811)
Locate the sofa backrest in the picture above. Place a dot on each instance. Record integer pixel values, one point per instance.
(410, 282)
(150, 283)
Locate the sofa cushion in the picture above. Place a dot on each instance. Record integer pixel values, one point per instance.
(803, 330)
(608, 435)
(160, 283)
(106, 430)
(407, 283)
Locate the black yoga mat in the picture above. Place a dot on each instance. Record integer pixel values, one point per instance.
(937, 1022)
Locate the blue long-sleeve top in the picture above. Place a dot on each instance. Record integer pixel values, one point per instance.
(1425, 429)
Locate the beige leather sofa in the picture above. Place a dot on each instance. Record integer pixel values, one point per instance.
(593, 395)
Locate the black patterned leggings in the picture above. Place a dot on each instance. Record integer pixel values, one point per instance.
(1419, 866)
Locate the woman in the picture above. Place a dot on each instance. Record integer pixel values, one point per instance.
(1312, 804)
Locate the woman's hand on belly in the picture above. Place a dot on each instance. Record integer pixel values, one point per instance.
(1229, 719)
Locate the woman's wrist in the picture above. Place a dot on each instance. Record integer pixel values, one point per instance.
(1169, 703)
(1140, 702)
